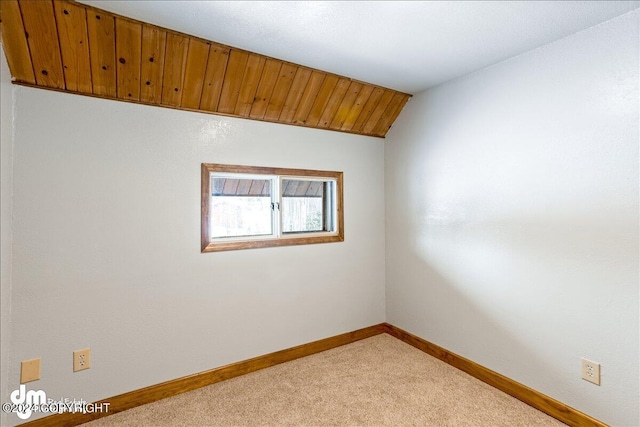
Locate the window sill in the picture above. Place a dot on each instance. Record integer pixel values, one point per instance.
(266, 243)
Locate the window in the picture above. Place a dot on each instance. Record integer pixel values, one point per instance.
(254, 207)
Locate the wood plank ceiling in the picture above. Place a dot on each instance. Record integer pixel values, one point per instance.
(67, 46)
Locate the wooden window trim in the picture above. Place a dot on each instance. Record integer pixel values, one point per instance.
(208, 246)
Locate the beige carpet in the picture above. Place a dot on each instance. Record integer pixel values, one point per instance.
(373, 382)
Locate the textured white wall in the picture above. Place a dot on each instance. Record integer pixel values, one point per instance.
(107, 245)
(6, 147)
(512, 218)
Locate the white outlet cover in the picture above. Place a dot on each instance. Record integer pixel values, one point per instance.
(591, 371)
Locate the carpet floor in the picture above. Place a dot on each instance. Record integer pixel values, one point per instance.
(379, 381)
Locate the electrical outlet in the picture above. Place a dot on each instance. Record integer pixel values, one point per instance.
(591, 371)
(81, 359)
(29, 370)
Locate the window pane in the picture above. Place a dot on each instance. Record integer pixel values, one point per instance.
(301, 214)
(240, 207)
(306, 205)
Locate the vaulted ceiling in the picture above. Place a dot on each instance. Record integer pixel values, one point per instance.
(219, 57)
(403, 45)
(67, 46)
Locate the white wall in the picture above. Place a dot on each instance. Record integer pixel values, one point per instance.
(6, 147)
(107, 245)
(512, 218)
